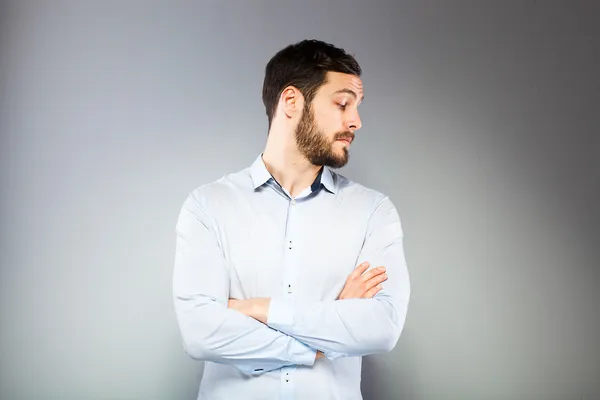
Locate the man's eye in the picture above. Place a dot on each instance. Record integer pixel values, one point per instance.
(342, 106)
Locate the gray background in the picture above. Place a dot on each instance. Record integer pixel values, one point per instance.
(481, 121)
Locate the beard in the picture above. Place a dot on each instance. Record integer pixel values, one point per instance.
(314, 145)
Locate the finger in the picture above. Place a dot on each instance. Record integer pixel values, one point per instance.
(372, 273)
(359, 270)
(372, 292)
(342, 293)
(376, 280)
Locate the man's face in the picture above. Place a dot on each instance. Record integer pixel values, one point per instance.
(328, 123)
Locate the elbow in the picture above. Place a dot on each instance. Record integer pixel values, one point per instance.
(389, 340)
(384, 342)
(197, 351)
(196, 338)
(389, 336)
(199, 346)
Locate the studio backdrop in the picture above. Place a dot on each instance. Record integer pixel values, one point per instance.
(480, 121)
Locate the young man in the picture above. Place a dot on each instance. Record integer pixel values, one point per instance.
(287, 273)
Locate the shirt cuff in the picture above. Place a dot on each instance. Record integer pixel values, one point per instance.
(332, 355)
(281, 314)
(301, 354)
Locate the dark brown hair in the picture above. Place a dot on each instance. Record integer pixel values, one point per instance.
(303, 65)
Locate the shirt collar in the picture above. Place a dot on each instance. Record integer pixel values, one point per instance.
(260, 175)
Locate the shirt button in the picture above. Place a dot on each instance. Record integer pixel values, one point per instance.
(289, 289)
(293, 202)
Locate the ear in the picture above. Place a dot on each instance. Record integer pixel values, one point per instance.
(292, 101)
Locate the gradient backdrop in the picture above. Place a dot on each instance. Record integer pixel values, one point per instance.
(481, 120)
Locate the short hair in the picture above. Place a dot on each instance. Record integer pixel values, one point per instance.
(303, 65)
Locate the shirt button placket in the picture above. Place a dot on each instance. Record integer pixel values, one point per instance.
(290, 247)
(287, 383)
(288, 273)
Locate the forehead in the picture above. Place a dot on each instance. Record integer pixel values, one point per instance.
(338, 81)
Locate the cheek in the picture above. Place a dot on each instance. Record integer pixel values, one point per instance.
(329, 123)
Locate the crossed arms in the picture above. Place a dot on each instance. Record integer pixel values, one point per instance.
(213, 328)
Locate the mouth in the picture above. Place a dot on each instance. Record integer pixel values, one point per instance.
(346, 140)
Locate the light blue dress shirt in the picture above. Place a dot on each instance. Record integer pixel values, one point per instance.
(244, 236)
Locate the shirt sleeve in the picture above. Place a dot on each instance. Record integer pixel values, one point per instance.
(209, 330)
(356, 327)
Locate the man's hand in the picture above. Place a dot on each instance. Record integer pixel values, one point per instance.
(360, 285)
(257, 308)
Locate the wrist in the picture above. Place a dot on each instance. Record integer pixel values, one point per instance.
(259, 309)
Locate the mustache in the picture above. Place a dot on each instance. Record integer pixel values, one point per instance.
(344, 135)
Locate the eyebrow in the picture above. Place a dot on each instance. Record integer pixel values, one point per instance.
(351, 92)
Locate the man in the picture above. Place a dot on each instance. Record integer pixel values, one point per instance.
(287, 273)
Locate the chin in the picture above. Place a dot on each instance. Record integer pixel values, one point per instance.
(339, 161)
(342, 153)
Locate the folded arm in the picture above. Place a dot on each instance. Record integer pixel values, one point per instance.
(355, 327)
(209, 329)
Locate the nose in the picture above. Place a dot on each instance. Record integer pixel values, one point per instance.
(354, 123)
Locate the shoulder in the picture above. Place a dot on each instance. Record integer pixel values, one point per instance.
(358, 192)
(219, 192)
(381, 210)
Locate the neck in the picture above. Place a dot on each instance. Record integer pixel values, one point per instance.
(287, 165)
